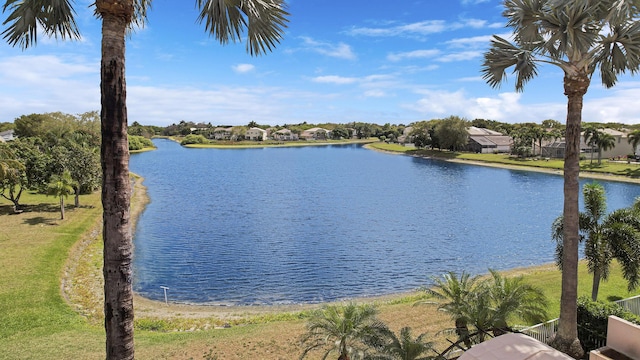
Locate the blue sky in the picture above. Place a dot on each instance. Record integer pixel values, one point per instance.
(340, 61)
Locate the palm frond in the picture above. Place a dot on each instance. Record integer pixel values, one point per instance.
(55, 17)
(264, 21)
(502, 55)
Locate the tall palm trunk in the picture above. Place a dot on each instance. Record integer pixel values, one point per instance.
(566, 339)
(595, 287)
(118, 303)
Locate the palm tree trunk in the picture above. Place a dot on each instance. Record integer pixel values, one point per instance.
(61, 208)
(118, 303)
(566, 340)
(596, 284)
(462, 330)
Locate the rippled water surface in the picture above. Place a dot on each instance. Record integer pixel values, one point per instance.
(312, 224)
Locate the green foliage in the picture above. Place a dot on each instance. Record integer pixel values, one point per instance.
(341, 329)
(147, 324)
(139, 142)
(488, 304)
(387, 345)
(605, 236)
(452, 133)
(193, 139)
(593, 318)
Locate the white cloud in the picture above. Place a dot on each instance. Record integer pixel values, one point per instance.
(334, 79)
(340, 50)
(416, 54)
(243, 68)
(375, 93)
(473, 2)
(461, 56)
(426, 27)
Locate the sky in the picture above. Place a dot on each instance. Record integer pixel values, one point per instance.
(340, 61)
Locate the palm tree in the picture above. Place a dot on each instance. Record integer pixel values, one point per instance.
(605, 142)
(389, 346)
(591, 136)
(606, 237)
(634, 140)
(342, 330)
(61, 186)
(578, 37)
(456, 293)
(512, 298)
(264, 21)
(538, 134)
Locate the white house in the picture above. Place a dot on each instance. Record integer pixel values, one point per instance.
(316, 134)
(256, 134)
(284, 135)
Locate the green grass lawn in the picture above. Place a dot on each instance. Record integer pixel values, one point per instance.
(37, 323)
(631, 170)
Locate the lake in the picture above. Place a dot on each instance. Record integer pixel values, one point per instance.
(322, 223)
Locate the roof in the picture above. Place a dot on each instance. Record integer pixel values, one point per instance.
(499, 140)
(481, 131)
(513, 347)
(482, 140)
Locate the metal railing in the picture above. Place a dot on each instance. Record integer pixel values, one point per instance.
(631, 304)
(542, 332)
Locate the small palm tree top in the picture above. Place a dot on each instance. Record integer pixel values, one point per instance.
(61, 185)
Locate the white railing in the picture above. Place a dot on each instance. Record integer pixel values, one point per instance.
(631, 304)
(542, 332)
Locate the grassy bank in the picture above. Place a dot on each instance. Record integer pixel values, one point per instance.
(37, 322)
(607, 168)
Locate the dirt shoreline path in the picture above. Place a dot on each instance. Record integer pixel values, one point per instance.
(82, 282)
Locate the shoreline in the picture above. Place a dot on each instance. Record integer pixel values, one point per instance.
(155, 309)
(583, 174)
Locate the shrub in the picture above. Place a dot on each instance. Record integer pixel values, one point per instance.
(139, 142)
(593, 318)
(193, 139)
(151, 325)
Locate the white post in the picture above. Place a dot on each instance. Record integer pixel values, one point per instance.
(165, 294)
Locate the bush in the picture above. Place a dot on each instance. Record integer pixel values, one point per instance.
(139, 142)
(194, 139)
(593, 318)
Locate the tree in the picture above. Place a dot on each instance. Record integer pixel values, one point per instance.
(456, 294)
(511, 297)
(61, 186)
(605, 142)
(12, 177)
(341, 329)
(578, 37)
(538, 135)
(388, 346)
(452, 133)
(591, 136)
(264, 21)
(605, 237)
(634, 139)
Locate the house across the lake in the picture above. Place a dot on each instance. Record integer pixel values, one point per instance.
(487, 141)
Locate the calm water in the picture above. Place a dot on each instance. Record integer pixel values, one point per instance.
(313, 224)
